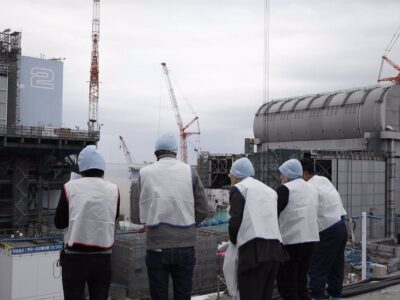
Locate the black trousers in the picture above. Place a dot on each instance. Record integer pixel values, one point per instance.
(93, 269)
(177, 262)
(292, 275)
(258, 284)
(327, 265)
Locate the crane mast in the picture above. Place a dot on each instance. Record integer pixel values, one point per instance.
(94, 69)
(182, 128)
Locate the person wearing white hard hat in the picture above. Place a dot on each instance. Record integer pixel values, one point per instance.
(327, 264)
(87, 211)
(297, 209)
(172, 201)
(254, 233)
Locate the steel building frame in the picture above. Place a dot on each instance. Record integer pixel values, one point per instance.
(34, 161)
(213, 168)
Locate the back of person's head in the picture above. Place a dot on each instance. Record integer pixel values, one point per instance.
(308, 165)
(292, 169)
(166, 144)
(91, 163)
(242, 168)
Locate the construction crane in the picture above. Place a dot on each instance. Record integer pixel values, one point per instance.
(127, 154)
(94, 69)
(389, 47)
(134, 172)
(395, 79)
(182, 128)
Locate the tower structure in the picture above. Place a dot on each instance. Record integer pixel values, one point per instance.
(94, 69)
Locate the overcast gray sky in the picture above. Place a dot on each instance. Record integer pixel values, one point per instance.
(214, 50)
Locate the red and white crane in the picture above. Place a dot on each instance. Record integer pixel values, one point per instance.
(182, 128)
(94, 69)
(395, 79)
(389, 47)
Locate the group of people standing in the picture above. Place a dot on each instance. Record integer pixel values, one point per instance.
(295, 235)
(172, 202)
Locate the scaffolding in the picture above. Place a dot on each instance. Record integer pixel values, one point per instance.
(213, 168)
(10, 46)
(266, 164)
(35, 162)
(359, 177)
(10, 54)
(32, 173)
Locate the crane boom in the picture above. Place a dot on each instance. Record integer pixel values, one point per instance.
(182, 128)
(395, 79)
(125, 149)
(172, 96)
(94, 69)
(390, 62)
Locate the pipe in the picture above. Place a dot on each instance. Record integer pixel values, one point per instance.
(364, 246)
(391, 189)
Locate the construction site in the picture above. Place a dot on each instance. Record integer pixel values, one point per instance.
(352, 135)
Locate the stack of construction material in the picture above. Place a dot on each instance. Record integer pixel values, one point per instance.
(205, 276)
(128, 264)
(385, 251)
(129, 268)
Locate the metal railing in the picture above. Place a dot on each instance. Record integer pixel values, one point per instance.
(48, 132)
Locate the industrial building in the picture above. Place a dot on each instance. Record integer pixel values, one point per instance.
(36, 153)
(354, 137)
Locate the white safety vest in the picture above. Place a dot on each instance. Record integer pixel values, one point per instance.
(260, 215)
(166, 195)
(298, 221)
(330, 207)
(92, 205)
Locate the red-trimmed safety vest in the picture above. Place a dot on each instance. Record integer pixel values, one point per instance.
(92, 212)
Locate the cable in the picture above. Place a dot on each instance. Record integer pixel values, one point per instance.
(392, 42)
(266, 52)
(159, 105)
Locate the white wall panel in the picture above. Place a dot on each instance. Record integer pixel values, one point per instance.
(40, 92)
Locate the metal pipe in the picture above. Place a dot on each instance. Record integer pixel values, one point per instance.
(391, 188)
(364, 245)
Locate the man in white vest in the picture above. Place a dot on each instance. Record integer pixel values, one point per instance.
(172, 201)
(297, 209)
(87, 211)
(327, 264)
(254, 229)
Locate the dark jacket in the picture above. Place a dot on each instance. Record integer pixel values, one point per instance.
(256, 251)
